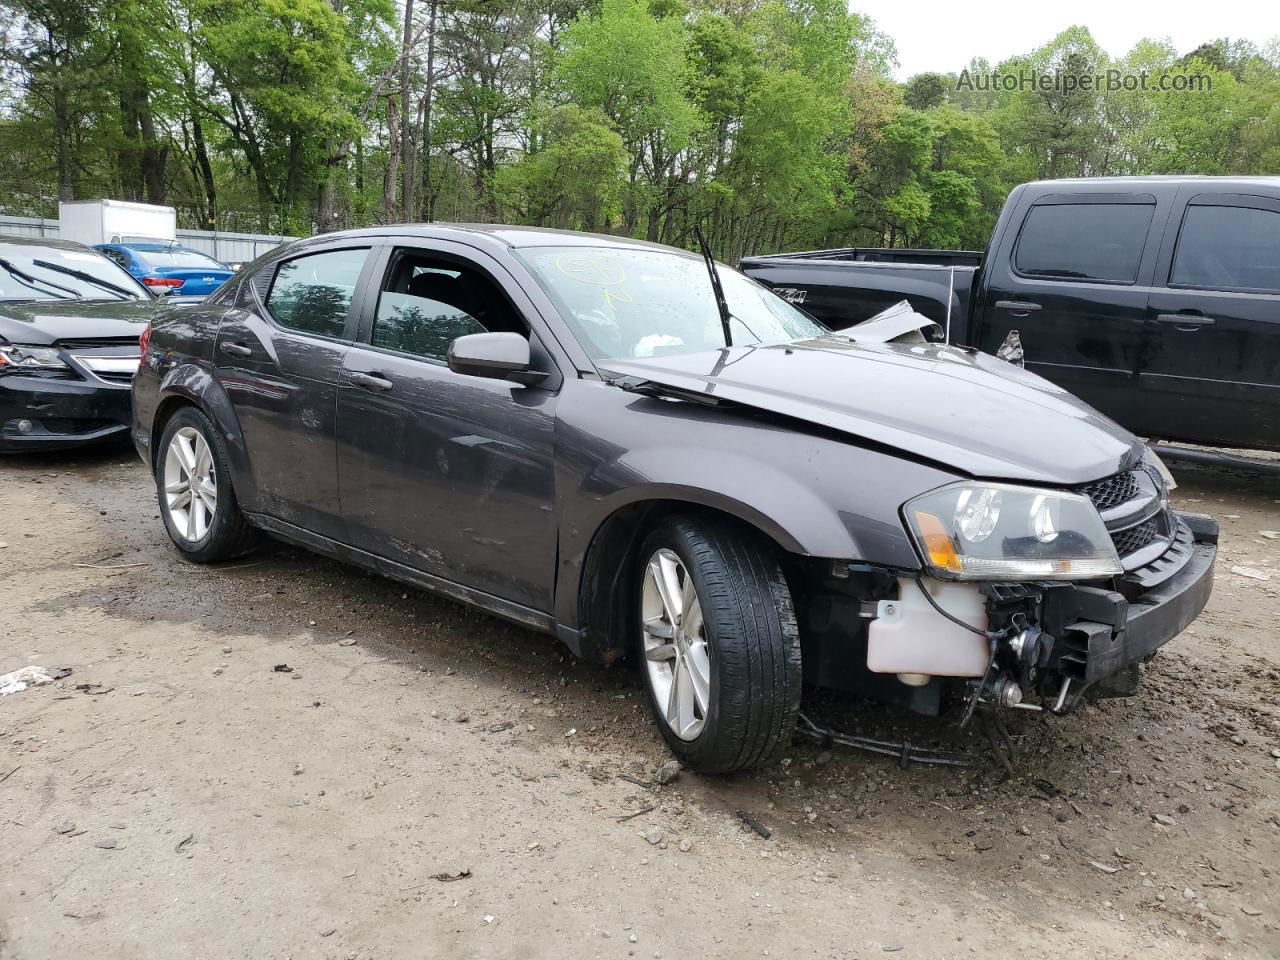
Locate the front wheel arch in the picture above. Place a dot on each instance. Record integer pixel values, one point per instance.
(605, 595)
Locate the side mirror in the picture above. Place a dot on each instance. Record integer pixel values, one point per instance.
(502, 356)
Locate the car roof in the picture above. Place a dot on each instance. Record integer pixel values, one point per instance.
(45, 242)
(157, 248)
(515, 237)
(1212, 183)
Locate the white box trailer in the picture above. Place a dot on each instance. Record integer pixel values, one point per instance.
(116, 221)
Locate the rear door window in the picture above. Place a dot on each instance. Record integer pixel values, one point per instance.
(115, 256)
(1228, 248)
(182, 258)
(1100, 242)
(313, 293)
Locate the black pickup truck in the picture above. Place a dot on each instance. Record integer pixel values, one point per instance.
(1154, 299)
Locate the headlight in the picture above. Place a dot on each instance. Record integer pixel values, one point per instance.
(21, 357)
(996, 531)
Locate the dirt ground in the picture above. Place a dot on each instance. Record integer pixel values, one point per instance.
(430, 782)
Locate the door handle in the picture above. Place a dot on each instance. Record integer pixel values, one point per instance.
(1186, 321)
(1019, 308)
(235, 349)
(369, 381)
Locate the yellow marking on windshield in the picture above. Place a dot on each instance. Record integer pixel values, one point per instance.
(596, 270)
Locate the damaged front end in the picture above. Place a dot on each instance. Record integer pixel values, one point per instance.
(1063, 643)
(961, 632)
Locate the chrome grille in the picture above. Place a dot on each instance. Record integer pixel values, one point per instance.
(1124, 500)
(1135, 538)
(129, 343)
(1111, 491)
(116, 367)
(114, 376)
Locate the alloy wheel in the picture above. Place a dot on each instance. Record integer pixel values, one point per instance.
(677, 655)
(190, 484)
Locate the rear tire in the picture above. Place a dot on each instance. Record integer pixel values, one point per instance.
(724, 678)
(193, 485)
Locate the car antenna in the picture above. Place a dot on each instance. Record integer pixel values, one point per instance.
(718, 290)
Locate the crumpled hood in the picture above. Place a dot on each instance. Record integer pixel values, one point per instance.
(963, 410)
(49, 321)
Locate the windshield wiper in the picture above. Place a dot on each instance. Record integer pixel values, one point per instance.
(86, 277)
(29, 281)
(651, 388)
(721, 304)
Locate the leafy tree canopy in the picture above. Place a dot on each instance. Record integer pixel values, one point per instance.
(771, 124)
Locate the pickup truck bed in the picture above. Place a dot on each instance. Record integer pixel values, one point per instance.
(844, 292)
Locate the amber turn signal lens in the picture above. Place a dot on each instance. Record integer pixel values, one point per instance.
(937, 543)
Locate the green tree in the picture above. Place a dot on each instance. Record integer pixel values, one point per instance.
(1259, 150)
(894, 188)
(925, 91)
(967, 181)
(486, 106)
(633, 68)
(64, 61)
(770, 124)
(575, 180)
(1059, 131)
(283, 84)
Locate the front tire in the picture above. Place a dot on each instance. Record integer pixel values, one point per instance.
(719, 648)
(193, 483)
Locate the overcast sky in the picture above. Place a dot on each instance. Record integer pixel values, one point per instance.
(941, 35)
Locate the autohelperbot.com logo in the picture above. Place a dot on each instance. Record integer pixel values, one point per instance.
(1108, 81)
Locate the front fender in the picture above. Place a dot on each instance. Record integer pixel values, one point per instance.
(768, 498)
(815, 493)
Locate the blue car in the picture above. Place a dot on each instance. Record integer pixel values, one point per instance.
(167, 268)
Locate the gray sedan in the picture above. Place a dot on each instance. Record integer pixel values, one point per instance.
(585, 435)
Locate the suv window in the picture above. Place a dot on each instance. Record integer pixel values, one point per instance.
(1084, 241)
(1228, 248)
(427, 302)
(313, 293)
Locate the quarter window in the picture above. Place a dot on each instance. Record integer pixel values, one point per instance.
(1084, 241)
(313, 293)
(1228, 248)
